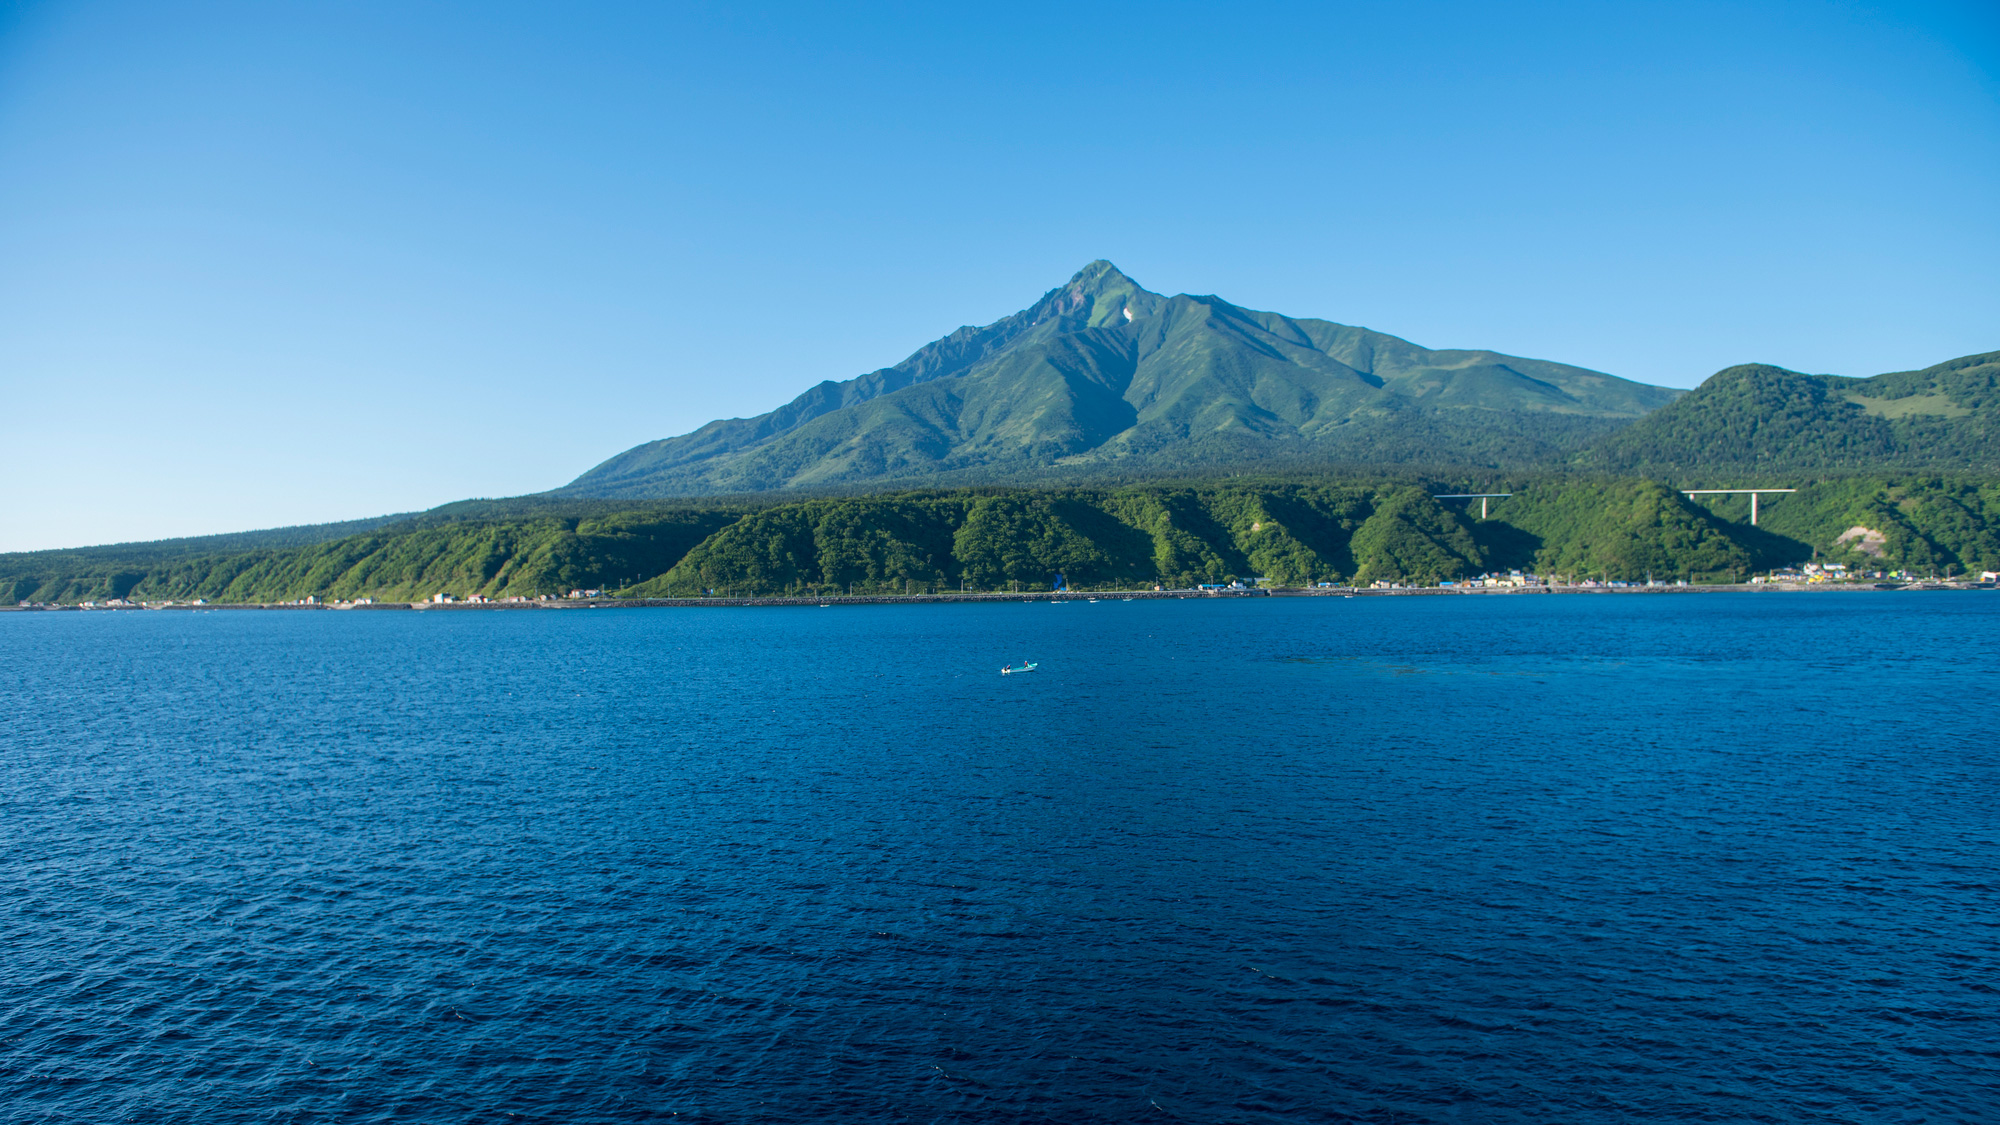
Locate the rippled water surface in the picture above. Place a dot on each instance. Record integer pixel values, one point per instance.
(1517, 859)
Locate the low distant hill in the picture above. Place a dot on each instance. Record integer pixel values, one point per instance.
(268, 539)
(1758, 417)
(1102, 376)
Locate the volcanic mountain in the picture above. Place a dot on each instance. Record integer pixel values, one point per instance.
(1102, 376)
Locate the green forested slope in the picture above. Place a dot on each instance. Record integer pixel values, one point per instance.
(1628, 529)
(1291, 532)
(1924, 525)
(1103, 375)
(1762, 418)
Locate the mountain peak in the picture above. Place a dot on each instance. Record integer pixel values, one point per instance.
(1099, 278)
(1099, 294)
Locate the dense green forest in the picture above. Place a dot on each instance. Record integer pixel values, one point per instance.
(1758, 417)
(1290, 532)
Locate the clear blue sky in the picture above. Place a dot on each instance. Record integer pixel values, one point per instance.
(265, 264)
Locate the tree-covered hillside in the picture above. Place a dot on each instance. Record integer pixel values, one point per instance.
(1291, 532)
(1008, 539)
(1762, 418)
(1926, 525)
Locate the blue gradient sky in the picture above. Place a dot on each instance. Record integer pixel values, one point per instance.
(264, 264)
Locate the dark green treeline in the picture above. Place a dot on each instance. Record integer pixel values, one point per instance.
(1000, 539)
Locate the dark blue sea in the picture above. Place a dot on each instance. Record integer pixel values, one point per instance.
(1616, 858)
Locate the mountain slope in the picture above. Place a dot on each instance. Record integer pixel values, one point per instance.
(1102, 373)
(1756, 416)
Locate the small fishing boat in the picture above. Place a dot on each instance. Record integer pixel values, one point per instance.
(1025, 666)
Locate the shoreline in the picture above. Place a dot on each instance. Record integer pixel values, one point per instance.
(1044, 596)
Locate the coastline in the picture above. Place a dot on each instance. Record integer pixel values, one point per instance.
(1044, 596)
